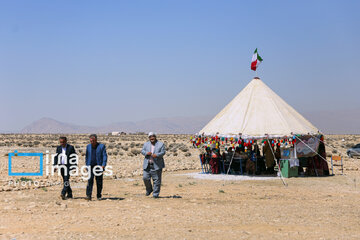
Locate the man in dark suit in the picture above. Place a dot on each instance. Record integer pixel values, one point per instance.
(64, 159)
(95, 159)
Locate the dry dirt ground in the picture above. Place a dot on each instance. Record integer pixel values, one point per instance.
(310, 207)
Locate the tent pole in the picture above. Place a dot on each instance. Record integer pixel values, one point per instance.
(227, 173)
(281, 176)
(230, 163)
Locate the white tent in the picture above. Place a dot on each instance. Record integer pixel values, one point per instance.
(257, 111)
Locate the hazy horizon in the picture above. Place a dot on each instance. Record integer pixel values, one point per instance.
(96, 64)
(329, 126)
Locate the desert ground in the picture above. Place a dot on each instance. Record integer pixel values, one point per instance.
(189, 208)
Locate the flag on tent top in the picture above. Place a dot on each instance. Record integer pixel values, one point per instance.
(256, 60)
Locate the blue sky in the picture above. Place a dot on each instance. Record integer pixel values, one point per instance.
(98, 62)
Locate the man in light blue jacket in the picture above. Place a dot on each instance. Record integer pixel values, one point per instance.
(96, 157)
(153, 150)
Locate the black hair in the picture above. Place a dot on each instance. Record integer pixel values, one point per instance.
(93, 136)
(63, 138)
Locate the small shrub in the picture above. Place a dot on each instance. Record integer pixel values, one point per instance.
(349, 145)
(135, 151)
(25, 179)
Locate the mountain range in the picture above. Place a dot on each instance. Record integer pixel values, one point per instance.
(330, 122)
(176, 125)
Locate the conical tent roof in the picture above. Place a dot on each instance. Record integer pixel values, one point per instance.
(258, 111)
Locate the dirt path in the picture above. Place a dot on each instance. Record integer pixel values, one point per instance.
(312, 208)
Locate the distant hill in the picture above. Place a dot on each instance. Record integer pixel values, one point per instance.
(49, 125)
(176, 125)
(336, 122)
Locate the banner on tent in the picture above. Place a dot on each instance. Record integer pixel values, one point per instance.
(304, 151)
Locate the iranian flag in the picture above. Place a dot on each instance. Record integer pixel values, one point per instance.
(256, 60)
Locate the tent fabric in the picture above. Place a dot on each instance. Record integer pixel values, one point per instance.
(258, 111)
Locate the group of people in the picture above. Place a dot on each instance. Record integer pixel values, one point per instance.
(248, 160)
(96, 160)
(252, 162)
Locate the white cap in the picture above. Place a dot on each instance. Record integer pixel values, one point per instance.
(152, 134)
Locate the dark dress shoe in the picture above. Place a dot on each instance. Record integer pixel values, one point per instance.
(63, 197)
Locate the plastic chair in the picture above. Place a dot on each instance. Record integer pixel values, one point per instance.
(336, 159)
